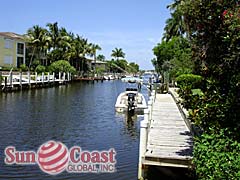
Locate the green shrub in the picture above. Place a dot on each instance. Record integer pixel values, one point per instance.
(216, 156)
(9, 69)
(23, 67)
(61, 66)
(189, 80)
(40, 69)
(190, 90)
(1, 78)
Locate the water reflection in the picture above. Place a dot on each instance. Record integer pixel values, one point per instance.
(131, 123)
(78, 114)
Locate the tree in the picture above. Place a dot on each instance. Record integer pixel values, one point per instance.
(40, 69)
(213, 30)
(38, 42)
(133, 67)
(118, 53)
(48, 45)
(173, 56)
(60, 41)
(101, 57)
(93, 52)
(62, 66)
(53, 34)
(76, 54)
(175, 25)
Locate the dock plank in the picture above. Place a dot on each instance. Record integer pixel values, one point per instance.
(169, 139)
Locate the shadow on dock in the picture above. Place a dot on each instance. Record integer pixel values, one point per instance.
(169, 173)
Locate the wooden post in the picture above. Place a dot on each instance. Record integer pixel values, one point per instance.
(48, 77)
(20, 79)
(5, 82)
(29, 78)
(153, 94)
(1, 76)
(64, 74)
(11, 78)
(59, 76)
(150, 103)
(42, 77)
(68, 76)
(53, 76)
(36, 75)
(143, 143)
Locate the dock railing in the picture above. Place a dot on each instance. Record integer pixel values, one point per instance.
(20, 79)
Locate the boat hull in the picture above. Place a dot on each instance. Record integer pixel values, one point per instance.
(122, 104)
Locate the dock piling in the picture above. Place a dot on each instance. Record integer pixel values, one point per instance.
(64, 74)
(48, 79)
(53, 77)
(29, 79)
(42, 77)
(36, 75)
(20, 79)
(11, 79)
(143, 142)
(150, 104)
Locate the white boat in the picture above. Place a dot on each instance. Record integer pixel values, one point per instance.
(132, 80)
(109, 77)
(130, 100)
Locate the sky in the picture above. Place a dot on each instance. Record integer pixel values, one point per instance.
(136, 26)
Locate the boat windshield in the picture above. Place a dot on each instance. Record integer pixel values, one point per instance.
(131, 89)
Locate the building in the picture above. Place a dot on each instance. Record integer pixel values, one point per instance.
(12, 50)
(99, 64)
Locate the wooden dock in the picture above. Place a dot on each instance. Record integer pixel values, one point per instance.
(20, 81)
(165, 139)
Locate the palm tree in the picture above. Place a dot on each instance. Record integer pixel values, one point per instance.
(60, 41)
(94, 48)
(175, 25)
(53, 33)
(37, 41)
(65, 39)
(77, 52)
(101, 57)
(117, 53)
(93, 52)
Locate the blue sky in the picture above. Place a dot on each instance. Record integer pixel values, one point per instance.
(136, 26)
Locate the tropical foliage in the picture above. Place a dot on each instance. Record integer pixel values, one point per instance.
(101, 57)
(40, 69)
(62, 66)
(118, 53)
(122, 66)
(173, 56)
(47, 45)
(216, 156)
(212, 30)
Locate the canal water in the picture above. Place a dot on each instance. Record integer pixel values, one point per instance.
(79, 114)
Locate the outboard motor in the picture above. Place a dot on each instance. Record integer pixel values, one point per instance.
(131, 102)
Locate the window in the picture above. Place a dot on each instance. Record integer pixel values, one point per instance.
(20, 48)
(8, 60)
(19, 61)
(8, 43)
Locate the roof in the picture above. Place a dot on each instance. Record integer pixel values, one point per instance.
(99, 62)
(11, 35)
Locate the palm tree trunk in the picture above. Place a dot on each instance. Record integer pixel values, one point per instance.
(30, 63)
